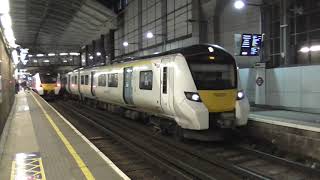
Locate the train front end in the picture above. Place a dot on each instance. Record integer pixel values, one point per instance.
(217, 101)
(47, 84)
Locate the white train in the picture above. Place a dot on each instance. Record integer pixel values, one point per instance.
(46, 84)
(195, 88)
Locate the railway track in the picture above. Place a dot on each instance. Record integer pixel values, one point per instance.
(190, 160)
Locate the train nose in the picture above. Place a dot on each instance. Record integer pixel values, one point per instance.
(218, 100)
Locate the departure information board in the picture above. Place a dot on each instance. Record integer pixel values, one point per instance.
(250, 44)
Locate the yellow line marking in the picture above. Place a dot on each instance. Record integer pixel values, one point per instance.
(13, 167)
(42, 169)
(87, 173)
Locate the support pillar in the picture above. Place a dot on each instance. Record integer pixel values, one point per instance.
(284, 32)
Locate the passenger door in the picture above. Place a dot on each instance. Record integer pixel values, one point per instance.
(69, 82)
(127, 85)
(92, 84)
(166, 85)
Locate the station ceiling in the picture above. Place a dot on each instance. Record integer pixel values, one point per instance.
(46, 26)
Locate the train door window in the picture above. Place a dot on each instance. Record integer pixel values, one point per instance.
(102, 80)
(164, 85)
(76, 80)
(82, 79)
(86, 79)
(146, 80)
(113, 80)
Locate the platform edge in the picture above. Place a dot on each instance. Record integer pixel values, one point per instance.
(103, 156)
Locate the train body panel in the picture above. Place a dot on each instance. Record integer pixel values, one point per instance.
(197, 90)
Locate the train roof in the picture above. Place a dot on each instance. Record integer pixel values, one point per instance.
(185, 51)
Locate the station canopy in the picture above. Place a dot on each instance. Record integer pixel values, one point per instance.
(59, 25)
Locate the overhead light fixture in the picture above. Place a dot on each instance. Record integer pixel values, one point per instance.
(98, 53)
(156, 52)
(91, 57)
(51, 54)
(74, 54)
(315, 48)
(65, 61)
(63, 54)
(9, 35)
(125, 44)
(4, 8)
(30, 55)
(238, 4)
(150, 35)
(6, 21)
(46, 60)
(35, 61)
(40, 55)
(305, 49)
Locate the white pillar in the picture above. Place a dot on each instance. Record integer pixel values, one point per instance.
(260, 95)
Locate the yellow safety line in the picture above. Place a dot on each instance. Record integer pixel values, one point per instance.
(87, 173)
(13, 166)
(42, 169)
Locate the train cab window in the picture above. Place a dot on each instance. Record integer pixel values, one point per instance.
(146, 80)
(213, 71)
(165, 81)
(86, 79)
(102, 80)
(82, 79)
(113, 80)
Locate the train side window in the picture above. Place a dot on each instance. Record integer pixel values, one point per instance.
(82, 79)
(113, 80)
(165, 81)
(146, 80)
(86, 79)
(102, 80)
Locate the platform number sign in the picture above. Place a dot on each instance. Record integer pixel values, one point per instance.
(27, 166)
(259, 81)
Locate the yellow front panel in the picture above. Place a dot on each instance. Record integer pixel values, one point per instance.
(219, 100)
(48, 87)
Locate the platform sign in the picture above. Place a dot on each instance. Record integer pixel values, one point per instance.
(250, 44)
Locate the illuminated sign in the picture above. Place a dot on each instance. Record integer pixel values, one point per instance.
(250, 44)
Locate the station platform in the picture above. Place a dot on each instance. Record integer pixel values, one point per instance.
(293, 119)
(291, 131)
(39, 143)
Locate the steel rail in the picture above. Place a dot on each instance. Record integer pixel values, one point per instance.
(242, 171)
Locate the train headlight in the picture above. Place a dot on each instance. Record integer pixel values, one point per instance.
(193, 96)
(240, 95)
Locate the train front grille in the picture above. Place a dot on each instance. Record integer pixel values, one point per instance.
(222, 120)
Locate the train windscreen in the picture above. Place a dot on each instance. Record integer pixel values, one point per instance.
(48, 78)
(213, 71)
